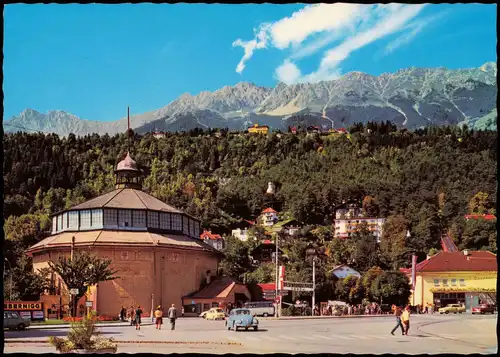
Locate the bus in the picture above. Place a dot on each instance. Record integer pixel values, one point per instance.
(260, 308)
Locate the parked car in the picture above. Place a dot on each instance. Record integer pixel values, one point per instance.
(13, 321)
(483, 309)
(260, 308)
(214, 313)
(455, 308)
(241, 318)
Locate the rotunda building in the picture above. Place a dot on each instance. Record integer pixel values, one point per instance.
(155, 248)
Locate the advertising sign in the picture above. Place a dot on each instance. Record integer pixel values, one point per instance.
(38, 315)
(22, 305)
(73, 291)
(25, 315)
(88, 303)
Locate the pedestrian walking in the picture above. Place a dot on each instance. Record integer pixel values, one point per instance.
(123, 312)
(138, 315)
(405, 317)
(158, 317)
(172, 315)
(131, 316)
(397, 312)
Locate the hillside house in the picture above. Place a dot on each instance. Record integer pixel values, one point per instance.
(214, 240)
(159, 134)
(258, 129)
(268, 217)
(240, 230)
(343, 271)
(350, 216)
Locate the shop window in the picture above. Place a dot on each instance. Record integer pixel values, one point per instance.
(445, 282)
(453, 282)
(189, 309)
(215, 304)
(206, 307)
(436, 282)
(462, 282)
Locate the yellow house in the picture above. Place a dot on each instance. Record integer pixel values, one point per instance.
(468, 277)
(256, 128)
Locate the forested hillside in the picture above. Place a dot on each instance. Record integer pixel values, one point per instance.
(425, 181)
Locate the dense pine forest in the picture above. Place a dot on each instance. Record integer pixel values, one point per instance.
(423, 181)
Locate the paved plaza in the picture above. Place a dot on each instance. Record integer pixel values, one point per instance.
(428, 334)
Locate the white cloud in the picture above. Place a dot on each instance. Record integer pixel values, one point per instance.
(308, 30)
(293, 30)
(288, 72)
(415, 29)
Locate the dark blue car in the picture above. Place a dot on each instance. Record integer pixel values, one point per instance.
(241, 318)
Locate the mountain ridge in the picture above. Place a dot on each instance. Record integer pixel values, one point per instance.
(410, 97)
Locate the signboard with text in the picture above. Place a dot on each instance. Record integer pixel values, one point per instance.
(38, 315)
(23, 305)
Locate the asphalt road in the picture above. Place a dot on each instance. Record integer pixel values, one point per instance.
(428, 334)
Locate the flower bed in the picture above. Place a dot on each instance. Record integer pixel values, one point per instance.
(98, 318)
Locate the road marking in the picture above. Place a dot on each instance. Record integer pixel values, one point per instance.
(382, 337)
(270, 338)
(308, 337)
(286, 337)
(252, 338)
(342, 337)
(361, 337)
(325, 337)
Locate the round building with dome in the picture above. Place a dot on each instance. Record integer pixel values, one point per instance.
(155, 248)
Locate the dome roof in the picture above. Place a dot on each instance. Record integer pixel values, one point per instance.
(127, 164)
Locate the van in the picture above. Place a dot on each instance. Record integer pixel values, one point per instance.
(13, 321)
(260, 308)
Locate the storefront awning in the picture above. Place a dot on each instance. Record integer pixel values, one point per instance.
(463, 289)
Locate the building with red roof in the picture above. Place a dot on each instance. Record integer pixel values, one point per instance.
(268, 217)
(467, 277)
(214, 240)
(488, 217)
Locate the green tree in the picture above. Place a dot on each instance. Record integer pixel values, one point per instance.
(367, 280)
(478, 204)
(236, 261)
(391, 288)
(393, 241)
(27, 284)
(83, 271)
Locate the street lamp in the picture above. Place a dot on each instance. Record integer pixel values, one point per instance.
(312, 253)
(10, 273)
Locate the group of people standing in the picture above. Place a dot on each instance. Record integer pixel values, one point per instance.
(171, 315)
(134, 315)
(402, 319)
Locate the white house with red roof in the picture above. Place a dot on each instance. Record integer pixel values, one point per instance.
(214, 240)
(268, 217)
(454, 277)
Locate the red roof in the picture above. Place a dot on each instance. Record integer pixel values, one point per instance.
(251, 222)
(342, 130)
(269, 210)
(267, 241)
(458, 261)
(267, 286)
(480, 216)
(209, 235)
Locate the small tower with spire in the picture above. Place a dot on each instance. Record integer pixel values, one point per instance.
(127, 174)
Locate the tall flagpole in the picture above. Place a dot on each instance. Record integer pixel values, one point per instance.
(128, 127)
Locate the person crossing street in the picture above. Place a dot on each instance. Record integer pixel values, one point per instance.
(397, 312)
(172, 315)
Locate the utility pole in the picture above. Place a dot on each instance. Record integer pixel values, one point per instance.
(314, 286)
(73, 296)
(277, 275)
(10, 273)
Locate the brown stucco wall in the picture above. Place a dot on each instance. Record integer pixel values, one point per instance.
(167, 273)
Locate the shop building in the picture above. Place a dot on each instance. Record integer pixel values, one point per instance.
(468, 277)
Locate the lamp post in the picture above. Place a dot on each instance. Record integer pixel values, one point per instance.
(311, 252)
(277, 275)
(10, 273)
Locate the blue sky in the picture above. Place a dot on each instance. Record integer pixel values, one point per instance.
(94, 60)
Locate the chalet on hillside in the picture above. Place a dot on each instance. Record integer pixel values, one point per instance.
(214, 240)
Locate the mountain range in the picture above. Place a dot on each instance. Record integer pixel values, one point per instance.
(410, 98)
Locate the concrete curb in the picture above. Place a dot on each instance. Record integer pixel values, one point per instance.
(65, 326)
(324, 317)
(6, 341)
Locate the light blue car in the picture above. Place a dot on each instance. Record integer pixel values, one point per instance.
(241, 318)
